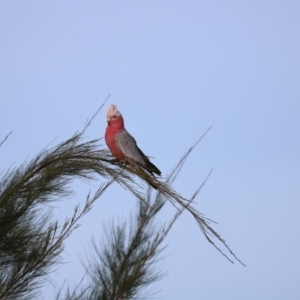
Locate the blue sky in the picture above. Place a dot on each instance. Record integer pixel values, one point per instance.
(173, 68)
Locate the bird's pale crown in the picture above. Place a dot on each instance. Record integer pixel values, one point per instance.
(112, 111)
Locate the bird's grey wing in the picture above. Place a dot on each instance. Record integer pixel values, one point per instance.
(128, 146)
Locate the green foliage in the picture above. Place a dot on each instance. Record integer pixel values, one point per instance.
(31, 242)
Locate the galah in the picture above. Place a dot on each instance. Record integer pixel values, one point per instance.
(122, 145)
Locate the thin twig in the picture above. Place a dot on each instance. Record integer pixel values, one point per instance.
(5, 139)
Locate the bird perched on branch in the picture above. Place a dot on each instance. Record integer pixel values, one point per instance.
(122, 145)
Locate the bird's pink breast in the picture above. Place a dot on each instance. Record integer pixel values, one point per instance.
(110, 134)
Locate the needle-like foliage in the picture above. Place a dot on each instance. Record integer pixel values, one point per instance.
(124, 264)
(31, 242)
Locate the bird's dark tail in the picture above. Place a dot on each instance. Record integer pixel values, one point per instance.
(152, 168)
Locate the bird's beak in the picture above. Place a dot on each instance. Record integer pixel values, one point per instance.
(108, 120)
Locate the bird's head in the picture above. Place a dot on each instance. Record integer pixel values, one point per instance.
(114, 116)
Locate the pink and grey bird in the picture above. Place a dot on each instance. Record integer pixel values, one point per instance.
(122, 145)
